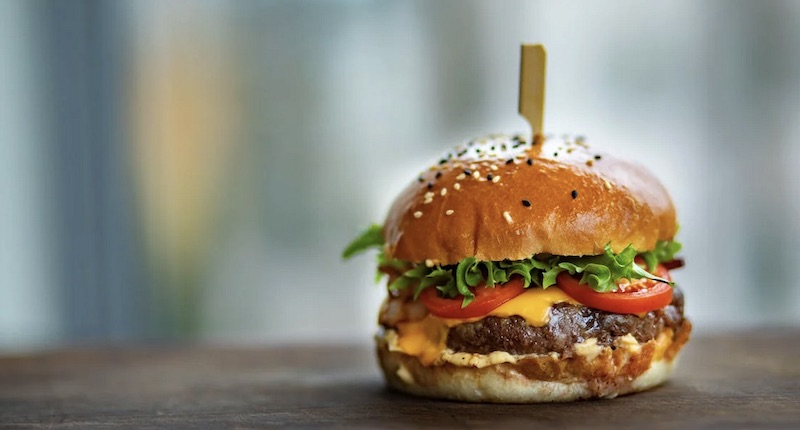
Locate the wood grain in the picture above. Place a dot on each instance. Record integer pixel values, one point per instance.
(749, 380)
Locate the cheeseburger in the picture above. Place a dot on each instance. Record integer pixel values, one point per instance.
(528, 270)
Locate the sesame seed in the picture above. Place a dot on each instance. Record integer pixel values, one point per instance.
(496, 179)
(530, 162)
(597, 157)
(555, 154)
(574, 194)
(489, 177)
(493, 167)
(473, 166)
(509, 161)
(429, 195)
(438, 175)
(608, 185)
(526, 203)
(429, 263)
(444, 191)
(418, 214)
(461, 176)
(467, 172)
(457, 186)
(420, 180)
(449, 212)
(508, 218)
(430, 185)
(442, 161)
(476, 174)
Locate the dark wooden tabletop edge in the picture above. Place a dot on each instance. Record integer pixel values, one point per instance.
(759, 332)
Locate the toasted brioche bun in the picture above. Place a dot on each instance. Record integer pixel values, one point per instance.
(567, 200)
(606, 373)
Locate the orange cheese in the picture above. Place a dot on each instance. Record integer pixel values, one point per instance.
(426, 339)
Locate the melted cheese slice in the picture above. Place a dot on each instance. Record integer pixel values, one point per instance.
(426, 339)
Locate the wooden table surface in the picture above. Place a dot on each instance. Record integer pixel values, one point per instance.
(750, 380)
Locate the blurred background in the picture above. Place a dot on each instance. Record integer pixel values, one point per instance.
(192, 170)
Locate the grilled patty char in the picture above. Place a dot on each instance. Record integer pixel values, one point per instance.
(569, 324)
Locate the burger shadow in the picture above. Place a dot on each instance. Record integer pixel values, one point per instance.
(409, 410)
(369, 403)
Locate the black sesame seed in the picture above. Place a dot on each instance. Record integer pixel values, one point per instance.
(420, 180)
(461, 153)
(489, 177)
(574, 194)
(526, 203)
(430, 185)
(530, 162)
(555, 154)
(509, 161)
(442, 161)
(492, 148)
(438, 175)
(467, 172)
(597, 157)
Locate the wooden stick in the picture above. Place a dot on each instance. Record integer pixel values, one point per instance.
(531, 87)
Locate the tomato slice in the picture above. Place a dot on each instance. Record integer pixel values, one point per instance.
(486, 300)
(632, 297)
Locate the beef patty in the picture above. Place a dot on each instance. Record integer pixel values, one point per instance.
(569, 324)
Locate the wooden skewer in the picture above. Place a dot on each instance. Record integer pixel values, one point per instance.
(531, 87)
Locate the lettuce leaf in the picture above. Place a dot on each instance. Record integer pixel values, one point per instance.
(665, 250)
(600, 272)
(372, 237)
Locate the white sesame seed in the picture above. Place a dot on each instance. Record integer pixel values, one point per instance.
(427, 201)
(507, 216)
(473, 166)
(457, 186)
(461, 177)
(429, 263)
(608, 185)
(444, 191)
(449, 212)
(418, 214)
(496, 179)
(429, 195)
(476, 174)
(493, 167)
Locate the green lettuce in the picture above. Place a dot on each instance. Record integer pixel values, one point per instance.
(370, 238)
(665, 250)
(600, 272)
